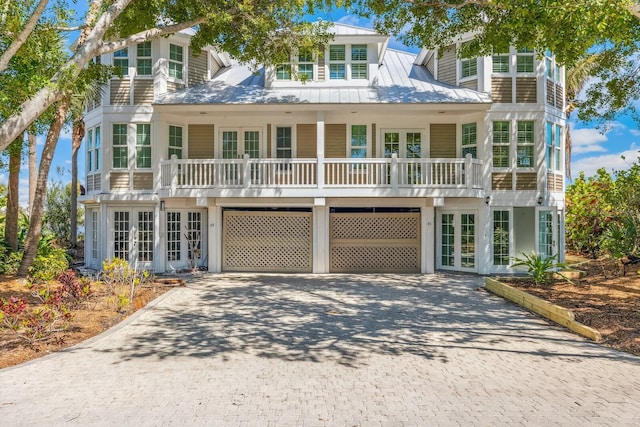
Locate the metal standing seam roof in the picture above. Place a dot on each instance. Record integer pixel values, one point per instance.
(399, 81)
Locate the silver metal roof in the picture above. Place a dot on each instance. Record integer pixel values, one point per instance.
(399, 81)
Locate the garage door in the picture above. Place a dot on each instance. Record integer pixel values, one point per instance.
(375, 242)
(279, 241)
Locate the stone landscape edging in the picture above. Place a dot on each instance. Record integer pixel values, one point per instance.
(553, 312)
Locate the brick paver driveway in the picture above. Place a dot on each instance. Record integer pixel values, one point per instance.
(328, 351)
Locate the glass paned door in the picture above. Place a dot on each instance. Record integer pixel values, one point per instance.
(457, 241)
(186, 242)
(230, 151)
(447, 230)
(546, 233)
(252, 148)
(414, 151)
(133, 237)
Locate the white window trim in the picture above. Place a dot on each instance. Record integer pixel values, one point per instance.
(529, 144)
(274, 143)
(184, 139)
(240, 130)
(135, 147)
(510, 164)
(349, 135)
(461, 146)
(184, 63)
(470, 77)
(403, 141)
(127, 145)
(136, 57)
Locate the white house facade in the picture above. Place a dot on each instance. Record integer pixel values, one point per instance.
(361, 159)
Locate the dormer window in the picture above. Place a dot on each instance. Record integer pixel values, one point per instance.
(469, 67)
(143, 59)
(524, 61)
(337, 58)
(176, 61)
(283, 72)
(305, 66)
(359, 61)
(121, 61)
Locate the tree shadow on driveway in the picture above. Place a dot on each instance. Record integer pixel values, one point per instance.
(338, 318)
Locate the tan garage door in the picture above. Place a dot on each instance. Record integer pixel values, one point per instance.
(374, 242)
(267, 241)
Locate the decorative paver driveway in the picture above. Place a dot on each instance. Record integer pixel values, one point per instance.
(269, 350)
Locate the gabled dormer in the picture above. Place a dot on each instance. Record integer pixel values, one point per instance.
(352, 58)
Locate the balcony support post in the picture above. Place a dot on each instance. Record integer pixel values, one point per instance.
(246, 171)
(468, 171)
(394, 171)
(174, 173)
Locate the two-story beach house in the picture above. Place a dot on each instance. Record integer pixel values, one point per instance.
(360, 159)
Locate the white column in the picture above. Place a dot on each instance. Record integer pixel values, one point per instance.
(159, 241)
(485, 239)
(320, 236)
(320, 148)
(214, 236)
(427, 240)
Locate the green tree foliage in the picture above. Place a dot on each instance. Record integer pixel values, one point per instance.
(603, 213)
(57, 211)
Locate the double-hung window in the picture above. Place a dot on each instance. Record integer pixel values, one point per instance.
(143, 145)
(470, 140)
(501, 143)
(284, 143)
(305, 66)
(501, 63)
(525, 144)
(176, 61)
(120, 150)
(337, 65)
(359, 61)
(143, 59)
(121, 61)
(93, 149)
(553, 159)
(283, 72)
(358, 147)
(469, 67)
(524, 61)
(175, 141)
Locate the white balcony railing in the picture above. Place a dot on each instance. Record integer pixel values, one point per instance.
(321, 173)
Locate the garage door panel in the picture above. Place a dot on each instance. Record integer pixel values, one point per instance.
(267, 241)
(375, 242)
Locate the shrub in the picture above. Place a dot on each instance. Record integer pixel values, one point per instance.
(538, 266)
(74, 291)
(9, 260)
(48, 267)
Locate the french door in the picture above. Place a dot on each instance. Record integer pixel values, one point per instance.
(546, 231)
(457, 240)
(133, 237)
(405, 144)
(235, 144)
(186, 239)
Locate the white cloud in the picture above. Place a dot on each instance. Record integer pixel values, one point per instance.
(635, 132)
(613, 161)
(356, 21)
(587, 140)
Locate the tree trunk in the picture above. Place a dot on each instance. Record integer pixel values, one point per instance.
(33, 168)
(13, 196)
(35, 220)
(76, 141)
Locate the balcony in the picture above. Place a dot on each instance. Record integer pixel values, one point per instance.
(370, 177)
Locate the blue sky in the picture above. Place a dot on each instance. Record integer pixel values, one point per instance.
(591, 148)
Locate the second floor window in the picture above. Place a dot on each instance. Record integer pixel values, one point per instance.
(284, 143)
(337, 66)
(305, 66)
(120, 151)
(283, 72)
(469, 140)
(525, 144)
(175, 141)
(500, 63)
(143, 145)
(93, 149)
(121, 61)
(501, 144)
(554, 147)
(176, 61)
(143, 59)
(358, 149)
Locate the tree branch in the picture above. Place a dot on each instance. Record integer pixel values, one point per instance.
(147, 35)
(446, 5)
(22, 36)
(76, 28)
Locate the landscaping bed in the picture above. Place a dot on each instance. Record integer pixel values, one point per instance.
(100, 311)
(604, 299)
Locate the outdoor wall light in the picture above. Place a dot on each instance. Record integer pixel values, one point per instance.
(487, 200)
(540, 199)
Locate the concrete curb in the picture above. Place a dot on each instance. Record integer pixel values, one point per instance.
(555, 313)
